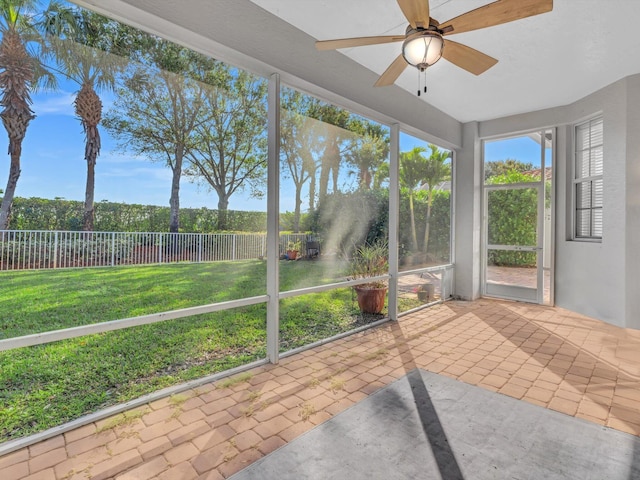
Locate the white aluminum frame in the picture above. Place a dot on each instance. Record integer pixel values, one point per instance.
(575, 181)
(515, 292)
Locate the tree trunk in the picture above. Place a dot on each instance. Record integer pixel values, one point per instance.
(323, 186)
(88, 107)
(296, 211)
(87, 220)
(426, 228)
(12, 181)
(174, 201)
(312, 192)
(223, 206)
(414, 235)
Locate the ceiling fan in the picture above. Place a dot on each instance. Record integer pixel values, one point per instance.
(423, 42)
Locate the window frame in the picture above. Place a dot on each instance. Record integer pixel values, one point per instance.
(577, 180)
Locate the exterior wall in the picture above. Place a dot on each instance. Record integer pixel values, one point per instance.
(599, 279)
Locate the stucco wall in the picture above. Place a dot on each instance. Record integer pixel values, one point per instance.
(599, 279)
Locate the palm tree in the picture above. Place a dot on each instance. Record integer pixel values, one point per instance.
(80, 41)
(368, 153)
(411, 173)
(19, 70)
(436, 171)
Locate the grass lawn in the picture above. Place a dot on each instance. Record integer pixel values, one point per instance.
(47, 385)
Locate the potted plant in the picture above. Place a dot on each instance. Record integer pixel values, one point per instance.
(293, 248)
(425, 292)
(370, 260)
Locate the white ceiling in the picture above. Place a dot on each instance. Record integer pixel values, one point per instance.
(548, 60)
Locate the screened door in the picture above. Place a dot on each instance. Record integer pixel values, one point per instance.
(517, 237)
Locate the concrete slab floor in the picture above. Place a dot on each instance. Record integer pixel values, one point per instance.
(426, 425)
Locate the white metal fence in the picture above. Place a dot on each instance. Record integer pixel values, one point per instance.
(37, 249)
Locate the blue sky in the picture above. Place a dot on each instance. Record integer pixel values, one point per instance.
(522, 148)
(53, 163)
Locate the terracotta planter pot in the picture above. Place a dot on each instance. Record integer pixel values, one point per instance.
(292, 254)
(371, 299)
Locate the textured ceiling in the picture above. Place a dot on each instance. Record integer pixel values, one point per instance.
(544, 61)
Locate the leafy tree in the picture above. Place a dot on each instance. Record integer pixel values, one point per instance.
(20, 71)
(300, 144)
(369, 150)
(81, 41)
(336, 121)
(229, 152)
(160, 104)
(501, 167)
(411, 174)
(436, 171)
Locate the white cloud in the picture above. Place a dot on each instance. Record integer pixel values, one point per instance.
(143, 174)
(118, 158)
(59, 103)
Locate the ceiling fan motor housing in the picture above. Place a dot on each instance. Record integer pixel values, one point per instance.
(422, 47)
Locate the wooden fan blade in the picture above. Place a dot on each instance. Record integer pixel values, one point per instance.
(357, 42)
(392, 73)
(416, 11)
(495, 13)
(467, 58)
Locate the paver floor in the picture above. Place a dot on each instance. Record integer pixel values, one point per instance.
(543, 355)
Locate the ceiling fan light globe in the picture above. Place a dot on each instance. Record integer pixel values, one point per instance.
(423, 50)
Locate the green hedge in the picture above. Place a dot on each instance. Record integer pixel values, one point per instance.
(58, 214)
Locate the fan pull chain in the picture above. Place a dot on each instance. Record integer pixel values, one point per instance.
(420, 87)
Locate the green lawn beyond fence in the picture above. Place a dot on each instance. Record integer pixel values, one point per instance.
(47, 385)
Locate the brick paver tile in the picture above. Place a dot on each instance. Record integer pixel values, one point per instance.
(47, 460)
(148, 470)
(213, 437)
(273, 427)
(88, 443)
(191, 403)
(115, 465)
(269, 412)
(160, 415)
(216, 405)
(47, 474)
(181, 453)
(188, 432)
(513, 390)
(123, 444)
(80, 432)
(243, 424)
(45, 446)
(590, 408)
(247, 440)
(159, 430)
(239, 462)
(494, 381)
(271, 444)
(13, 458)
(628, 427)
(218, 419)
(82, 462)
(182, 471)
(564, 406)
(17, 471)
(295, 430)
(154, 447)
(211, 475)
(212, 458)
